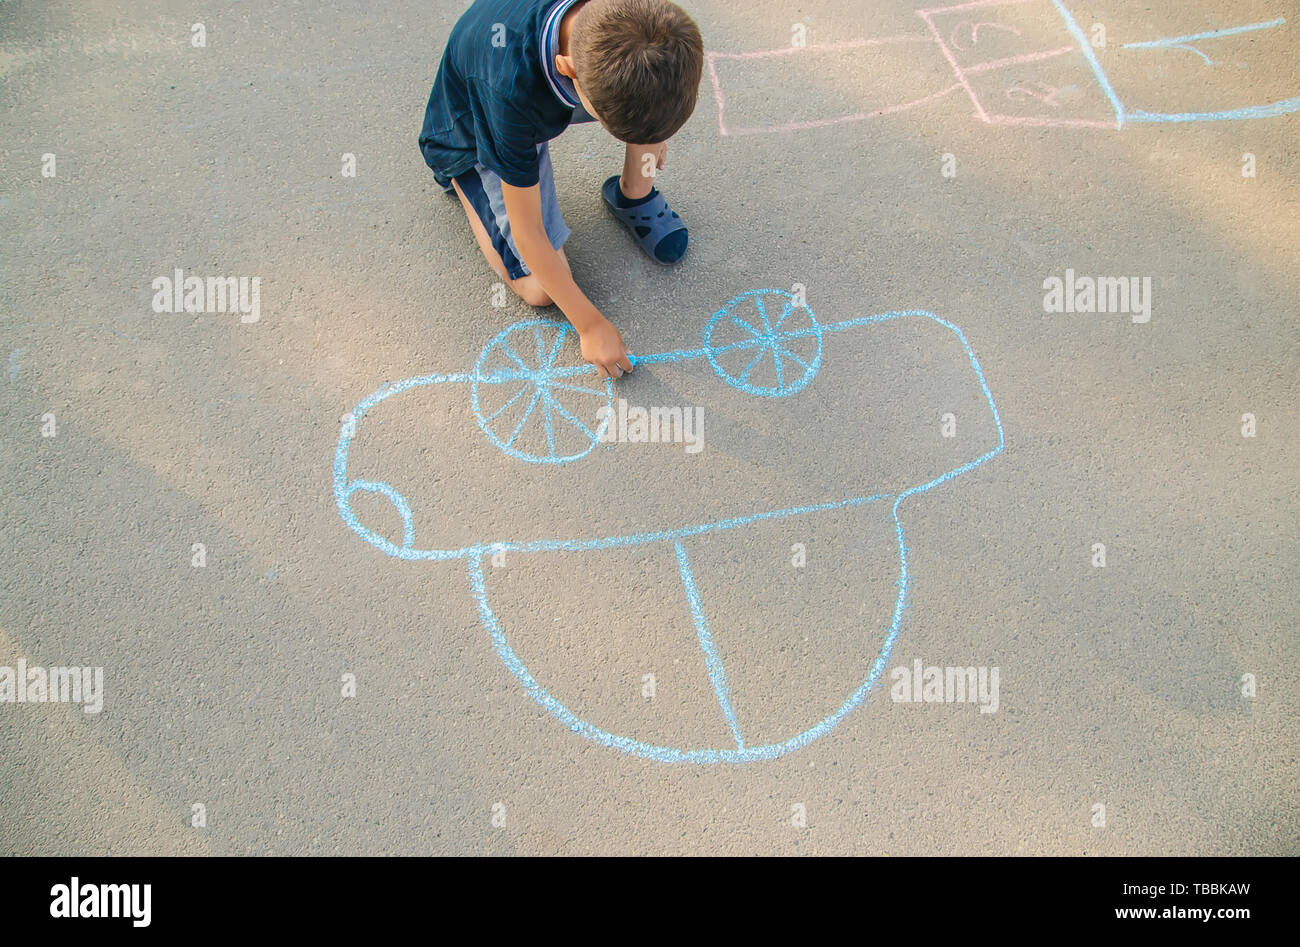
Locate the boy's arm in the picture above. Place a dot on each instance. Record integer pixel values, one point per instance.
(601, 342)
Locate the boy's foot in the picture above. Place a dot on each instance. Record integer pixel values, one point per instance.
(655, 225)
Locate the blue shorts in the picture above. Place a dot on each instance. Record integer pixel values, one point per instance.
(482, 188)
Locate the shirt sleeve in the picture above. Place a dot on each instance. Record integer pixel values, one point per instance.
(505, 141)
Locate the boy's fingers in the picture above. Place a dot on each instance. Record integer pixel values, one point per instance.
(625, 363)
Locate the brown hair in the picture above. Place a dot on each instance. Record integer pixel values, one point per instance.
(639, 64)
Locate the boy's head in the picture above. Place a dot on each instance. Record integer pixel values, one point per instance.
(637, 66)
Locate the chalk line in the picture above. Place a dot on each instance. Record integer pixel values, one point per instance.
(719, 99)
(845, 119)
(952, 61)
(712, 660)
(1273, 110)
(975, 4)
(821, 47)
(1180, 41)
(1088, 54)
(1017, 60)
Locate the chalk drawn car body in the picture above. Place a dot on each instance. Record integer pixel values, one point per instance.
(522, 365)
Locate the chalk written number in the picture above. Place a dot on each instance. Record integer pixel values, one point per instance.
(1035, 90)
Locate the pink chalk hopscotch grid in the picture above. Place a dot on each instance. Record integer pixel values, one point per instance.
(962, 74)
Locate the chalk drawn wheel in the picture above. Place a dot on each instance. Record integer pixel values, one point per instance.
(765, 342)
(534, 403)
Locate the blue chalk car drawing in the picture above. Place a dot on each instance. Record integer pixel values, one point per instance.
(766, 328)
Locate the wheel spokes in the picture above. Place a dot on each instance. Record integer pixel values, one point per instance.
(537, 393)
(522, 361)
(787, 352)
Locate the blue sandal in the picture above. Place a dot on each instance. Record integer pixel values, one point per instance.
(653, 223)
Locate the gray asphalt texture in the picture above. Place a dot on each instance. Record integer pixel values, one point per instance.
(1119, 686)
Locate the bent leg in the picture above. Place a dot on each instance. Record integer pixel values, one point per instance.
(526, 287)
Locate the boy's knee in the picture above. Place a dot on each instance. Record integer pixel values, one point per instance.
(530, 291)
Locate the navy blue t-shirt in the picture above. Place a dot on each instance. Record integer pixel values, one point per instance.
(497, 94)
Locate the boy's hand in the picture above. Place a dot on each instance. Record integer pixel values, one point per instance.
(603, 346)
(601, 343)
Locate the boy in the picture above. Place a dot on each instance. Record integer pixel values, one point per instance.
(515, 74)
